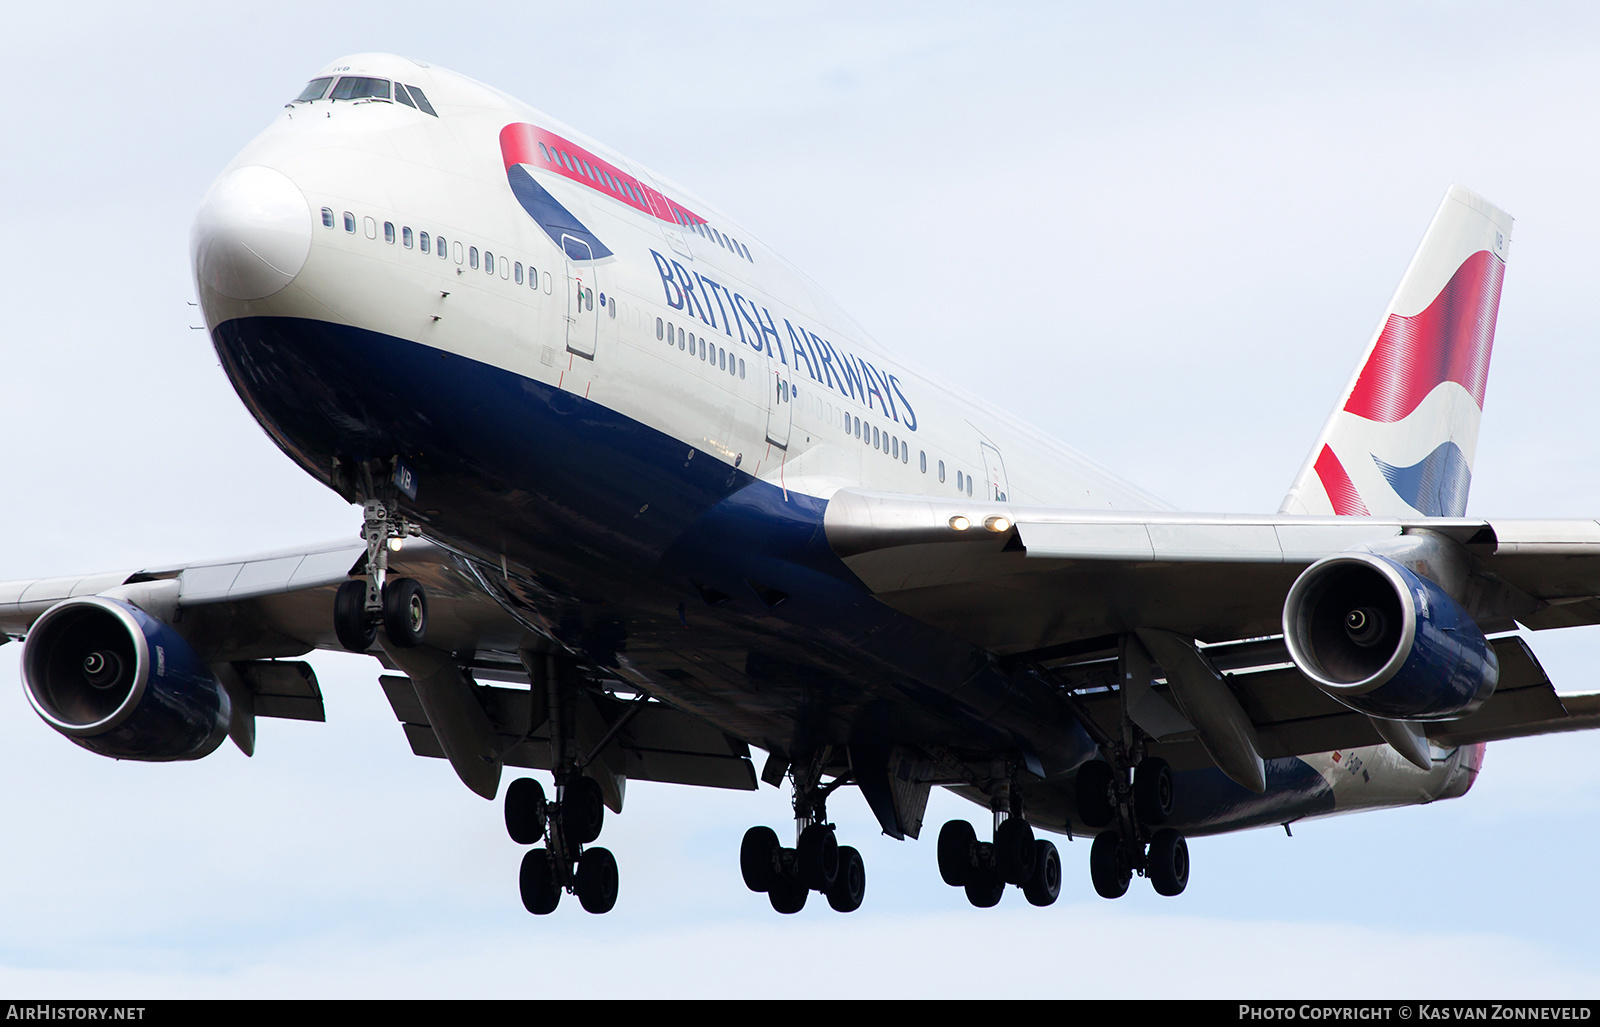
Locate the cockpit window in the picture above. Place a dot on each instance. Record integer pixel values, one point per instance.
(352, 88)
(400, 94)
(314, 89)
(422, 101)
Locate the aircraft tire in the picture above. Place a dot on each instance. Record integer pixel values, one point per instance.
(957, 844)
(1106, 866)
(818, 856)
(984, 889)
(597, 880)
(583, 811)
(405, 613)
(787, 896)
(1014, 850)
(525, 811)
(350, 623)
(757, 856)
(1093, 793)
(850, 887)
(1169, 862)
(1153, 794)
(541, 894)
(1044, 887)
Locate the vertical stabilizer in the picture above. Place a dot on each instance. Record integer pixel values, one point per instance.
(1402, 440)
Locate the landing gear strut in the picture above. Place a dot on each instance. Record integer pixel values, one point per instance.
(1014, 857)
(1131, 839)
(567, 862)
(816, 863)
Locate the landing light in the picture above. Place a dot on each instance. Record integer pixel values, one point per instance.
(997, 524)
(960, 523)
(395, 544)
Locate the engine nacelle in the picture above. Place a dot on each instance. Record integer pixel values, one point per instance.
(121, 683)
(1386, 641)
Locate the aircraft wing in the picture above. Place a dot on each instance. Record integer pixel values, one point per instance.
(249, 617)
(1055, 589)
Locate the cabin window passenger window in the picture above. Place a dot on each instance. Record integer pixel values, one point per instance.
(422, 241)
(371, 225)
(741, 367)
(516, 272)
(680, 338)
(941, 470)
(472, 257)
(349, 222)
(405, 237)
(905, 453)
(969, 484)
(327, 217)
(922, 458)
(456, 250)
(488, 262)
(612, 308)
(388, 232)
(658, 329)
(894, 446)
(546, 153)
(958, 481)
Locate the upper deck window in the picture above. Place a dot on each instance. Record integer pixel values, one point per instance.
(353, 88)
(314, 90)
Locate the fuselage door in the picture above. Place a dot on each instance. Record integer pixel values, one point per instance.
(583, 325)
(994, 469)
(780, 403)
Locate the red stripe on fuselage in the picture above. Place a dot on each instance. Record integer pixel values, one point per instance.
(520, 144)
(1337, 484)
(1450, 341)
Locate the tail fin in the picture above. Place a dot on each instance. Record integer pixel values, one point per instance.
(1402, 439)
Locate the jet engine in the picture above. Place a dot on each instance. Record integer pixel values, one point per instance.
(121, 683)
(1386, 641)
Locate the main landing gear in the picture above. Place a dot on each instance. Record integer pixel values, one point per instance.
(400, 606)
(816, 863)
(1129, 819)
(567, 826)
(1014, 856)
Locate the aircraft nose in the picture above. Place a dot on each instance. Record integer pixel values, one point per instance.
(252, 233)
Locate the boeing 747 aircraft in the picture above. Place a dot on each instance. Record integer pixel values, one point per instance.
(636, 497)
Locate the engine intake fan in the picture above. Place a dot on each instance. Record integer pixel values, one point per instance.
(1386, 641)
(121, 683)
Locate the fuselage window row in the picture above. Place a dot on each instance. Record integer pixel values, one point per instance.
(438, 244)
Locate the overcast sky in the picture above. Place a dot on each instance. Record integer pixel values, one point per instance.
(1163, 234)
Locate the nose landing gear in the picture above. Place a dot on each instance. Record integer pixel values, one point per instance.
(400, 606)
